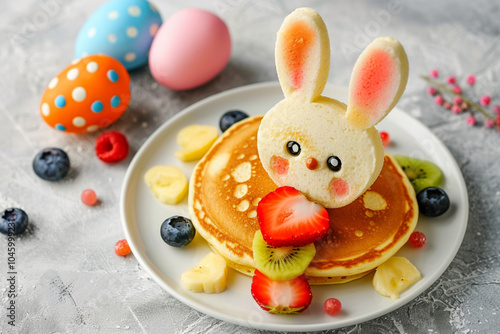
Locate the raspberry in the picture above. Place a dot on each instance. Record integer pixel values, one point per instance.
(386, 138)
(111, 146)
(89, 197)
(122, 248)
(417, 239)
(332, 306)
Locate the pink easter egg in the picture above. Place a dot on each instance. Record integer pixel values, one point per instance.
(190, 48)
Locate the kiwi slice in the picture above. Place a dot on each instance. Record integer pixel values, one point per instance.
(281, 263)
(421, 173)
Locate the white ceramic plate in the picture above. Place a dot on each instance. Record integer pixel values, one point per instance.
(142, 216)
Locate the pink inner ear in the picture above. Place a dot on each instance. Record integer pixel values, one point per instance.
(379, 77)
(298, 40)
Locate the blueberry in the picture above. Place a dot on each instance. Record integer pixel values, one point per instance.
(177, 231)
(51, 164)
(230, 117)
(433, 201)
(14, 221)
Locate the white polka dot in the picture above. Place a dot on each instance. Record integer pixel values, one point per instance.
(91, 33)
(153, 29)
(112, 38)
(93, 128)
(72, 74)
(53, 83)
(130, 56)
(134, 11)
(132, 32)
(92, 67)
(45, 109)
(79, 94)
(113, 15)
(79, 121)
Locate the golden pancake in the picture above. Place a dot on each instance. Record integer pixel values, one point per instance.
(228, 183)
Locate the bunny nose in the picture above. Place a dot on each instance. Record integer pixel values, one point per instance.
(311, 163)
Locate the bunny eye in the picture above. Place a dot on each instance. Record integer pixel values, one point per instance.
(293, 147)
(334, 163)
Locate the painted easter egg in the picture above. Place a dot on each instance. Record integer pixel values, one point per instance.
(86, 96)
(191, 48)
(122, 29)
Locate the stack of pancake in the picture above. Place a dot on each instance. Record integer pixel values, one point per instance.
(228, 183)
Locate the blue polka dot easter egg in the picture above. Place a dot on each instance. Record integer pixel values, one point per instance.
(122, 29)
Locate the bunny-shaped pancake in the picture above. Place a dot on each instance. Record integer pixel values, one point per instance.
(330, 152)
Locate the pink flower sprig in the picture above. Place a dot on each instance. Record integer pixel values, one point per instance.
(459, 102)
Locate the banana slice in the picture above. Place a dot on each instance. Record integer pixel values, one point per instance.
(195, 140)
(209, 276)
(168, 183)
(394, 276)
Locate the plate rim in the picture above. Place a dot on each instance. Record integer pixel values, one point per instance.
(143, 259)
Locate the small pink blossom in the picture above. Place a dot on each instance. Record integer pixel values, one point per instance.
(497, 120)
(457, 89)
(489, 123)
(471, 79)
(434, 73)
(471, 120)
(485, 100)
(496, 110)
(447, 105)
(431, 90)
(438, 100)
(451, 80)
(464, 106)
(457, 100)
(456, 109)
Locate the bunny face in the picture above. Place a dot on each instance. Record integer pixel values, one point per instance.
(331, 167)
(330, 152)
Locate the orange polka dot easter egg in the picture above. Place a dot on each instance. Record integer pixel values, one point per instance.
(88, 95)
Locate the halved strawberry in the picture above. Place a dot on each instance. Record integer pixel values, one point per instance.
(281, 297)
(288, 218)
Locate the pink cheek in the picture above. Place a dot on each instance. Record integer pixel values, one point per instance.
(279, 165)
(339, 187)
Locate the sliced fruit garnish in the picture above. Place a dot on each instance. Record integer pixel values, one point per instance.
(281, 297)
(209, 276)
(168, 183)
(281, 263)
(195, 140)
(394, 276)
(288, 218)
(421, 173)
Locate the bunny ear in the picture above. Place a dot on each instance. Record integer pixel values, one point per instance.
(303, 54)
(377, 82)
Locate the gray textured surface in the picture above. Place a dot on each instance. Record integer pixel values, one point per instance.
(70, 280)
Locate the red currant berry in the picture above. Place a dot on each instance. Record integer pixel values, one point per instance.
(122, 248)
(332, 306)
(417, 239)
(89, 197)
(386, 138)
(111, 146)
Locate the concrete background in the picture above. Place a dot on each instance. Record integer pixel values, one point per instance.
(70, 280)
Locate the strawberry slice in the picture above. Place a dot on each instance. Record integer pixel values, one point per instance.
(281, 297)
(288, 218)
